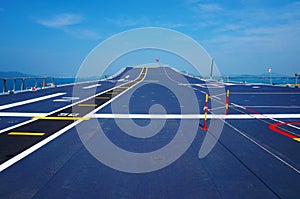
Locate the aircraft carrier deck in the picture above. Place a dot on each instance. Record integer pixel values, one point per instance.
(71, 141)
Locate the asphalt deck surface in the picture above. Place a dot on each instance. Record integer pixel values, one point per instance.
(45, 137)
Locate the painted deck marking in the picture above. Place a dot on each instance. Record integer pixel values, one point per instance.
(160, 116)
(263, 148)
(26, 133)
(17, 114)
(266, 93)
(297, 139)
(30, 101)
(91, 86)
(66, 99)
(112, 93)
(60, 118)
(102, 97)
(193, 116)
(87, 105)
(38, 145)
(273, 127)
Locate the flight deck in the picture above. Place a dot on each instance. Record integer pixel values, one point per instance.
(151, 132)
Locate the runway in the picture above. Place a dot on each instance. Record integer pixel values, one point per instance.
(140, 135)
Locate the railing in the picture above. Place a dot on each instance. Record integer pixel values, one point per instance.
(285, 81)
(282, 81)
(22, 82)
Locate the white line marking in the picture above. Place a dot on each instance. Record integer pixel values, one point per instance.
(16, 114)
(66, 99)
(216, 97)
(293, 107)
(57, 110)
(168, 116)
(30, 101)
(117, 74)
(265, 93)
(229, 84)
(296, 127)
(77, 83)
(35, 147)
(253, 141)
(194, 116)
(91, 86)
(200, 85)
(108, 102)
(271, 116)
(238, 106)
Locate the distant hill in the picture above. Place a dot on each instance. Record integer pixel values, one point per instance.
(274, 75)
(12, 74)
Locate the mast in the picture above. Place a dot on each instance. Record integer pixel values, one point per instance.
(211, 68)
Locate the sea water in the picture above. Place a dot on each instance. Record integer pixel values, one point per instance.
(38, 83)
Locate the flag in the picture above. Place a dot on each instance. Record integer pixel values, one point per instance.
(157, 60)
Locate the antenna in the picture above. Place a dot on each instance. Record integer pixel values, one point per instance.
(211, 68)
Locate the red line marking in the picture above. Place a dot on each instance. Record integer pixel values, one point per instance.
(274, 128)
(252, 111)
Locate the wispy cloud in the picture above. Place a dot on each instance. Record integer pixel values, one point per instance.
(61, 20)
(208, 7)
(256, 35)
(130, 22)
(250, 22)
(126, 21)
(83, 33)
(66, 22)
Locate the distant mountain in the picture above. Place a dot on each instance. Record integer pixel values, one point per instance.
(12, 74)
(274, 75)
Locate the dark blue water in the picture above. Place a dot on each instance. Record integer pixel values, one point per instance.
(263, 80)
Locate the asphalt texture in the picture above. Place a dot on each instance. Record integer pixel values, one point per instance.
(255, 155)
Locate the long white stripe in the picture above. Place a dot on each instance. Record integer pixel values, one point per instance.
(30, 101)
(165, 116)
(16, 114)
(91, 86)
(194, 116)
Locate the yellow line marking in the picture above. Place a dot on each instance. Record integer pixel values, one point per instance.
(87, 104)
(26, 133)
(112, 93)
(119, 89)
(60, 118)
(297, 139)
(102, 97)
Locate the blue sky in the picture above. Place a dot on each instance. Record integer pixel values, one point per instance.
(243, 36)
